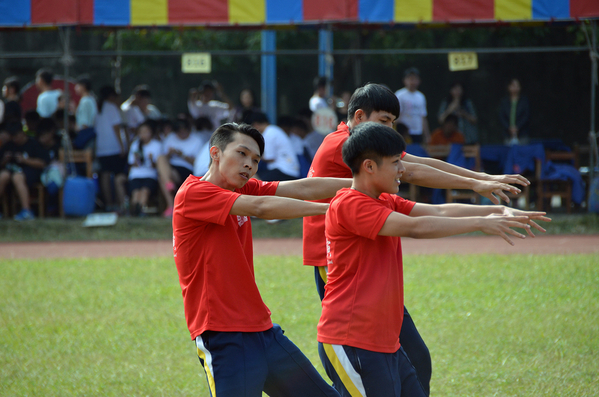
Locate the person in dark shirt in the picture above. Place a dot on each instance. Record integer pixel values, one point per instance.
(10, 93)
(48, 138)
(21, 162)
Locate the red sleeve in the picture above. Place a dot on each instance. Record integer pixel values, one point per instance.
(362, 216)
(255, 187)
(401, 205)
(208, 203)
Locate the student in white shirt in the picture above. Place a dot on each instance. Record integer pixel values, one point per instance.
(111, 149)
(47, 100)
(412, 107)
(143, 176)
(318, 99)
(179, 151)
(138, 108)
(203, 103)
(87, 109)
(279, 155)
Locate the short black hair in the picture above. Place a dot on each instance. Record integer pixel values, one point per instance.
(46, 75)
(13, 82)
(373, 141)
(204, 123)
(373, 98)
(46, 125)
(259, 117)
(181, 123)
(13, 128)
(207, 84)
(225, 134)
(285, 121)
(32, 115)
(142, 91)
(411, 71)
(85, 81)
(320, 82)
(301, 124)
(451, 117)
(151, 124)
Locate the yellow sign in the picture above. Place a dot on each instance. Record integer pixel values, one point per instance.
(462, 61)
(196, 62)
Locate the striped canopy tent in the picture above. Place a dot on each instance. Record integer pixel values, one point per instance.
(115, 13)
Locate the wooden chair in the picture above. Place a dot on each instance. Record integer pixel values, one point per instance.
(78, 157)
(453, 195)
(37, 197)
(547, 188)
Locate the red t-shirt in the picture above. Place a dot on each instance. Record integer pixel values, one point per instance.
(327, 162)
(363, 301)
(214, 257)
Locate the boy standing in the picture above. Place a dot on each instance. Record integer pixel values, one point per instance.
(376, 103)
(242, 351)
(413, 107)
(363, 305)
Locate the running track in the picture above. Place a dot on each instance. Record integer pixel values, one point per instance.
(552, 244)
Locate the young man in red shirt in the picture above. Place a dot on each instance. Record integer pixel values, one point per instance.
(362, 310)
(241, 350)
(376, 103)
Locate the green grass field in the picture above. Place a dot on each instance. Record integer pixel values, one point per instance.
(495, 325)
(153, 228)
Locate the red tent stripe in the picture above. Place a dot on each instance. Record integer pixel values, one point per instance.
(584, 8)
(318, 10)
(198, 11)
(452, 10)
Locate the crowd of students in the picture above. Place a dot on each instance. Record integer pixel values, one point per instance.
(140, 157)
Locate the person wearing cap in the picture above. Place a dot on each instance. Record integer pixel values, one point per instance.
(413, 107)
(203, 102)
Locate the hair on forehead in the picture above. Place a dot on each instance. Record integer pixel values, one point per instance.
(225, 134)
(373, 141)
(373, 98)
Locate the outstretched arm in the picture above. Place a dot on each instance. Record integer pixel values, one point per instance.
(465, 210)
(271, 207)
(312, 188)
(427, 176)
(454, 169)
(434, 227)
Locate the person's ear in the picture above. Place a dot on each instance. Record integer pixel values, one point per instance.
(214, 153)
(359, 116)
(369, 166)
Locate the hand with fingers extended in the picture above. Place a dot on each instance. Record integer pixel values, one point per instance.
(511, 179)
(532, 217)
(492, 189)
(501, 225)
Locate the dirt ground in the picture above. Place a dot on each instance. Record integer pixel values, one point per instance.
(553, 244)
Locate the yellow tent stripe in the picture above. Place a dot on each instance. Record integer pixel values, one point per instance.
(149, 12)
(345, 379)
(413, 11)
(247, 11)
(507, 10)
(209, 375)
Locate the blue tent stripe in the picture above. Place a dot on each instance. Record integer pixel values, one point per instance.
(112, 12)
(15, 13)
(284, 11)
(376, 10)
(547, 9)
